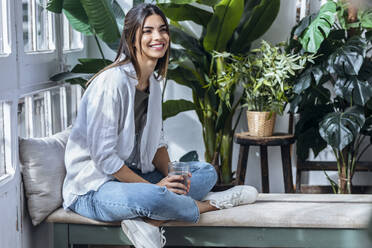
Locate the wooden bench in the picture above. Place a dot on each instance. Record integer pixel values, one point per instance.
(275, 220)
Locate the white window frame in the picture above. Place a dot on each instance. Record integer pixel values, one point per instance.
(32, 29)
(69, 34)
(5, 14)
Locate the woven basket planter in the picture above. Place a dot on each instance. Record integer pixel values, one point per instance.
(260, 123)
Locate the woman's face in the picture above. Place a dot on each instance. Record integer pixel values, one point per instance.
(155, 38)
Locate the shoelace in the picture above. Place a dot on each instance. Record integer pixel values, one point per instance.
(162, 236)
(229, 201)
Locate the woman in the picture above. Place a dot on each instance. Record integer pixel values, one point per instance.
(116, 160)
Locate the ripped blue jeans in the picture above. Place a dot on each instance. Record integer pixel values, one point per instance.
(116, 201)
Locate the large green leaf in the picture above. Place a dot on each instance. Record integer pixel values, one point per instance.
(190, 156)
(369, 35)
(186, 12)
(353, 90)
(186, 78)
(303, 24)
(261, 18)
(348, 59)
(55, 6)
(175, 1)
(118, 14)
(339, 129)
(318, 30)
(76, 16)
(307, 127)
(311, 74)
(185, 40)
(70, 75)
(90, 65)
(174, 107)
(365, 18)
(208, 2)
(102, 19)
(225, 19)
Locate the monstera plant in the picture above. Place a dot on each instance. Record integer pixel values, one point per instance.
(334, 95)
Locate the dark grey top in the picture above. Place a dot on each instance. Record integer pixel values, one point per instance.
(140, 116)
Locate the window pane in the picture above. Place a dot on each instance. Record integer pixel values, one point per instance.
(4, 28)
(2, 141)
(72, 39)
(38, 114)
(38, 26)
(302, 9)
(21, 115)
(56, 110)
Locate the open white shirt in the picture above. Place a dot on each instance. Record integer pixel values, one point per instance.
(102, 136)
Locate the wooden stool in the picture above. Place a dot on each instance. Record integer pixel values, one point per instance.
(278, 139)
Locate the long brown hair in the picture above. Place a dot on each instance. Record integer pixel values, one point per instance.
(134, 20)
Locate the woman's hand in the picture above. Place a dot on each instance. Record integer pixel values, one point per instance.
(174, 184)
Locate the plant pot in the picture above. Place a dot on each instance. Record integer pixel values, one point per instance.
(261, 124)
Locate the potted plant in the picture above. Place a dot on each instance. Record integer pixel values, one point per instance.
(334, 95)
(266, 74)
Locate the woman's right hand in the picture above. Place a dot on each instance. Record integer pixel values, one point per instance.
(173, 183)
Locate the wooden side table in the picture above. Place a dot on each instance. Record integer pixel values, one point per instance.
(278, 139)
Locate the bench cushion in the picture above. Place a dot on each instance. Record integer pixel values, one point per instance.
(43, 171)
(272, 210)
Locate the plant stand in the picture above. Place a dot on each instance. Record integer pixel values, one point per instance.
(278, 139)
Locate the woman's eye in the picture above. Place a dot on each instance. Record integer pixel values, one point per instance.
(146, 31)
(163, 30)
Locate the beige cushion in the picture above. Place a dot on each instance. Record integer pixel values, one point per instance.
(272, 210)
(43, 171)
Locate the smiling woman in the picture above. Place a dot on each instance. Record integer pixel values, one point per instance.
(116, 158)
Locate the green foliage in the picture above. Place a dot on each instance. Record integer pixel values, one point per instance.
(173, 107)
(319, 28)
(201, 64)
(55, 6)
(267, 75)
(338, 86)
(225, 19)
(256, 20)
(190, 156)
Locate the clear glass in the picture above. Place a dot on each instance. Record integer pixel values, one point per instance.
(2, 141)
(179, 168)
(38, 26)
(72, 39)
(4, 28)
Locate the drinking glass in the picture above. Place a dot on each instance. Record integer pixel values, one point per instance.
(179, 168)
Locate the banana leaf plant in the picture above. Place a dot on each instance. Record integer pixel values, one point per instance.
(334, 95)
(228, 26)
(102, 19)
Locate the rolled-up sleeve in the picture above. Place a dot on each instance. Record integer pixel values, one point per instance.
(103, 113)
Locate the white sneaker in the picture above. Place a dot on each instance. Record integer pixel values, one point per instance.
(142, 234)
(236, 196)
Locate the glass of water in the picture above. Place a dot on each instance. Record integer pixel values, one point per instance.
(179, 168)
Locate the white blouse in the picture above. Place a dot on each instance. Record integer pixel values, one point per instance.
(102, 136)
